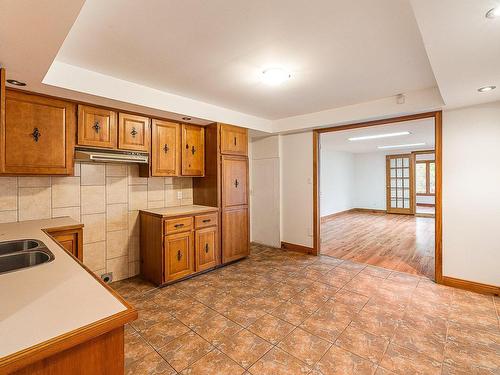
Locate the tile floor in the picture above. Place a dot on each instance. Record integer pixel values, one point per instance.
(287, 313)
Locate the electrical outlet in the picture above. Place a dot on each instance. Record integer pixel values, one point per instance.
(179, 195)
(107, 277)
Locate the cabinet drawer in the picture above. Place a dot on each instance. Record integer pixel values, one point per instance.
(182, 224)
(208, 220)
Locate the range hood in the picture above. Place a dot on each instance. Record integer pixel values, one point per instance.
(110, 156)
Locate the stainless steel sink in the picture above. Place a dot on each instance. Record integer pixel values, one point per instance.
(21, 254)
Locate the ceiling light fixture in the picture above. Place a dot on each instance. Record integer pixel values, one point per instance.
(275, 76)
(402, 146)
(187, 118)
(378, 136)
(15, 82)
(486, 88)
(493, 12)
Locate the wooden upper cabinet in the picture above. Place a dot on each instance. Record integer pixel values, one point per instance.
(193, 150)
(165, 148)
(235, 234)
(133, 132)
(37, 135)
(234, 181)
(234, 140)
(96, 127)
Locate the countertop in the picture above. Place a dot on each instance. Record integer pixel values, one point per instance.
(48, 300)
(180, 210)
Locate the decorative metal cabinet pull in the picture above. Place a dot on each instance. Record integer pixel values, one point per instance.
(235, 141)
(96, 127)
(133, 132)
(36, 134)
(179, 255)
(207, 221)
(178, 225)
(206, 248)
(236, 183)
(193, 150)
(165, 148)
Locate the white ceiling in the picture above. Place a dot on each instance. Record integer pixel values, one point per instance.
(421, 131)
(214, 51)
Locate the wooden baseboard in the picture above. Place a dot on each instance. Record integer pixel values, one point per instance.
(370, 210)
(471, 285)
(298, 248)
(331, 216)
(426, 204)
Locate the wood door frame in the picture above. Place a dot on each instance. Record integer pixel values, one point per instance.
(438, 150)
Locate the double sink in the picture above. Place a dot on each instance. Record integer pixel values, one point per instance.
(20, 254)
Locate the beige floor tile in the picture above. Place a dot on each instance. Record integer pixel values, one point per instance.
(185, 350)
(245, 348)
(405, 361)
(152, 363)
(278, 362)
(214, 363)
(271, 329)
(362, 343)
(304, 346)
(338, 361)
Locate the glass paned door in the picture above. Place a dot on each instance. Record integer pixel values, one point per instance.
(399, 176)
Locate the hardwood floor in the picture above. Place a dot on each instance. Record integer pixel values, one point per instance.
(399, 242)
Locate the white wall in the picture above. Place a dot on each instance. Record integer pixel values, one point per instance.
(265, 191)
(471, 193)
(336, 181)
(296, 188)
(369, 181)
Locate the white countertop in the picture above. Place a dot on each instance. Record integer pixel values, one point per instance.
(181, 210)
(48, 300)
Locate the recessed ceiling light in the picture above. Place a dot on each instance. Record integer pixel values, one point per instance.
(493, 12)
(15, 82)
(275, 76)
(378, 136)
(402, 146)
(486, 88)
(187, 118)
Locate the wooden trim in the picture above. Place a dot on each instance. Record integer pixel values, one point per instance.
(411, 181)
(299, 248)
(368, 210)
(471, 285)
(331, 216)
(426, 204)
(423, 152)
(437, 115)
(2, 116)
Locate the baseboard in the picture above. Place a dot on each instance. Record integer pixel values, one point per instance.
(370, 210)
(426, 204)
(471, 285)
(331, 216)
(295, 247)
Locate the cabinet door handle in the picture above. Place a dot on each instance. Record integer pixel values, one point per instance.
(193, 150)
(96, 127)
(236, 183)
(179, 255)
(36, 134)
(165, 148)
(235, 141)
(133, 132)
(207, 220)
(206, 248)
(178, 225)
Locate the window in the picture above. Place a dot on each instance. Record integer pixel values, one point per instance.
(425, 177)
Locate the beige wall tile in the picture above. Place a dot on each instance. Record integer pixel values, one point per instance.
(134, 248)
(138, 197)
(93, 174)
(117, 217)
(77, 171)
(156, 188)
(94, 255)
(171, 196)
(116, 170)
(34, 181)
(187, 202)
(116, 190)
(187, 188)
(65, 192)
(133, 176)
(133, 223)
(72, 212)
(34, 203)
(119, 267)
(95, 228)
(116, 244)
(169, 180)
(134, 268)
(8, 216)
(156, 204)
(8, 193)
(93, 199)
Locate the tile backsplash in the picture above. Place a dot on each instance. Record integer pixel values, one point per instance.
(106, 199)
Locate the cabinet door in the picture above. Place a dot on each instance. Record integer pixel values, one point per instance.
(206, 248)
(96, 127)
(193, 150)
(133, 132)
(37, 136)
(234, 140)
(178, 255)
(234, 234)
(71, 240)
(165, 148)
(234, 181)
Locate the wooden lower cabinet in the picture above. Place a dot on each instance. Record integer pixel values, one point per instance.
(206, 248)
(179, 260)
(71, 239)
(235, 234)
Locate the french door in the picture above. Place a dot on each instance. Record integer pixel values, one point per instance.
(400, 184)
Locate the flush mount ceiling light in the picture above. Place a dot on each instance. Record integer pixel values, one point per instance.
(275, 76)
(486, 88)
(402, 146)
(493, 12)
(15, 82)
(378, 136)
(187, 118)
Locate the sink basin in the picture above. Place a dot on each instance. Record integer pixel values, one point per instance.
(20, 245)
(17, 255)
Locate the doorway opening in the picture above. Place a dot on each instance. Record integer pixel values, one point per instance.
(377, 193)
